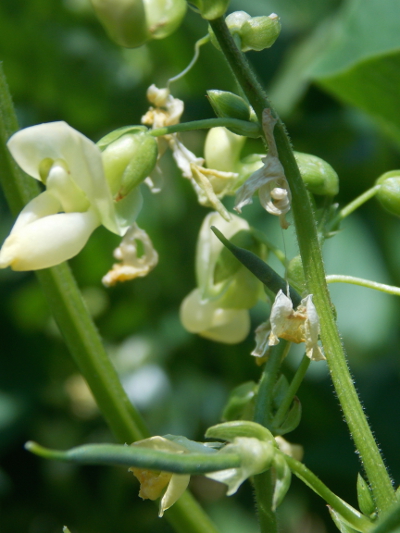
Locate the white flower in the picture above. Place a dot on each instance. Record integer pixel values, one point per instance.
(256, 457)
(56, 225)
(154, 484)
(134, 263)
(269, 180)
(297, 326)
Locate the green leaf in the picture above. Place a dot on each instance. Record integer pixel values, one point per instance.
(356, 57)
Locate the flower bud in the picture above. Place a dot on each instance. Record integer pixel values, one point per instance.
(318, 175)
(229, 105)
(258, 33)
(128, 161)
(240, 404)
(251, 33)
(229, 431)
(211, 9)
(364, 497)
(130, 23)
(222, 149)
(389, 191)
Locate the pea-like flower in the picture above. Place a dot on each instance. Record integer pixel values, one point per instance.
(269, 181)
(56, 225)
(166, 485)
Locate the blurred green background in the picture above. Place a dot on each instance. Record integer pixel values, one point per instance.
(334, 75)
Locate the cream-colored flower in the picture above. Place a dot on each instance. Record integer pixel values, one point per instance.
(136, 260)
(269, 180)
(155, 484)
(300, 325)
(56, 225)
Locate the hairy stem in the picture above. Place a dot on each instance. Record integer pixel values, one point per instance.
(315, 276)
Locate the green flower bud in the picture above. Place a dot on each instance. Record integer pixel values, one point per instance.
(283, 478)
(318, 175)
(211, 9)
(389, 191)
(128, 161)
(250, 33)
(130, 23)
(222, 149)
(229, 105)
(258, 33)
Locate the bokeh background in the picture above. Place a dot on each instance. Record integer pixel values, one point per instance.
(334, 75)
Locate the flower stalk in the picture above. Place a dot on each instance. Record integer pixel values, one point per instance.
(315, 276)
(79, 331)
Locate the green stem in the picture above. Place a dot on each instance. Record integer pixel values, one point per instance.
(250, 129)
(351, 515)
(78, 329)
(262, 412)
(264, 483)
(315, 276)
(291, 392)
(339, 278)
(353, 205)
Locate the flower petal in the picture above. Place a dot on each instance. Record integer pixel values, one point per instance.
(176, 487)
(48, 241)
(58, 141)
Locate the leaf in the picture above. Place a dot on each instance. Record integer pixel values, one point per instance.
(356, 57)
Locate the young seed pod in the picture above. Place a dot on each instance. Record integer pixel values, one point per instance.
(389, 191)
(318, 175)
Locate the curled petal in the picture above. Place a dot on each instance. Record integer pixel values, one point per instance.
(48, 241)
(176, 487)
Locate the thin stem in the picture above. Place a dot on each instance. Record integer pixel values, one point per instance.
(291, 392)
(351, 515)
(315, 276)
(354, 204)
(251, 129)
(338, 278)
(79, 331)
(197, 47)
(264, 492)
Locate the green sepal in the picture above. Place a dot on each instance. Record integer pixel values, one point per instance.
(273, 281)
(116, 134)
(364, 497)
(228, 105)
(191, 445)
(283, 478)
(259, 33)
(241, 401)
(239, 428)
(292, 419)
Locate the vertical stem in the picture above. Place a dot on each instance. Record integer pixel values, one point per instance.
(315, 276)
(79, 331)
